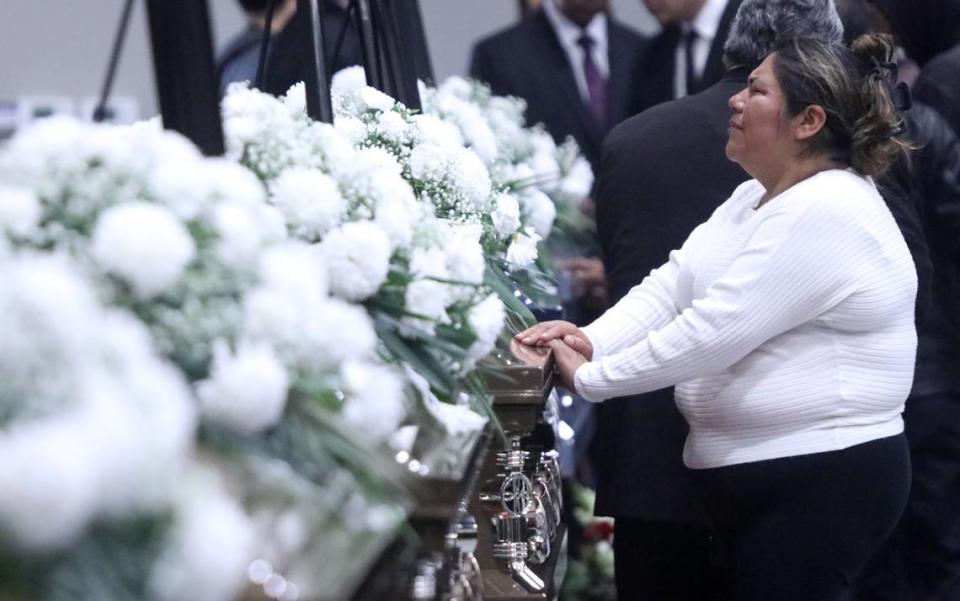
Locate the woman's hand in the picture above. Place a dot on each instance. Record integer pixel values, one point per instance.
(543, 333)
(568, 360)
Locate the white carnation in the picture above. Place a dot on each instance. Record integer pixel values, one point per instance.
(239, 234)
(339, 332)
(352, 128)
(143, 244)
(212, 543)
(375, 404)
(310, 200)
(370, 98)
(506, 215)
(48, 483)
(19, 211)
(397, 209)
(273, 226)
(227, 180)
(579, 181)
(295, 100)
(347, 81)
(429, 263)
(293, 291)
(392, 127)
(470, 177)
(428, 301)
(539, 210)
(358, 259)
(479, 136)
(465, 260)
(523, 250)
(295, 269)
(247, 389)
(486, 320)
(48, 316)
(144, 420)
(436, 131)
(428, 161)
(374, 158)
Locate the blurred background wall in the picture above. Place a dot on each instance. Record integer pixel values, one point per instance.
(56, 51)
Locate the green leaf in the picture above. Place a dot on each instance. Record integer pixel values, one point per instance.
(495, 278)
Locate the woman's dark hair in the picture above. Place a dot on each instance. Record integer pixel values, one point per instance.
(852, 86)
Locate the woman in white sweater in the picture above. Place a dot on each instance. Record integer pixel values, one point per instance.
(786, 323)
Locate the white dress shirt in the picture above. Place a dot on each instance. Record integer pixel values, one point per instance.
(705, 24)
(569, 32)
(787, 330)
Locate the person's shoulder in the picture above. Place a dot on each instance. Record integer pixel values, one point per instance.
(945, 63)
(748, 193)
(681, 116)
(509, 36)
(835, 195)
(845, 182)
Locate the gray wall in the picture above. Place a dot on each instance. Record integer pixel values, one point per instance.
(60, 47)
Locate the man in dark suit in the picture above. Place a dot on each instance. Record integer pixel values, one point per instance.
(662, 173)
(686, 57)
(571, 61)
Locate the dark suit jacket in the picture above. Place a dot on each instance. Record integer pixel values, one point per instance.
(663, 172)
(528, 61)
(653, 73)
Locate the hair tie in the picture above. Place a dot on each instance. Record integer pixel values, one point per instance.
(899, 92)
(880, 68)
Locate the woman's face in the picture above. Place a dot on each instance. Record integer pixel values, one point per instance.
(760, 134)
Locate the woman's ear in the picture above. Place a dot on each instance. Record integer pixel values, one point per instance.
(809, 122)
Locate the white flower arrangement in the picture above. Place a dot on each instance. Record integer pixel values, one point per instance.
(106, 427)
(245, 293)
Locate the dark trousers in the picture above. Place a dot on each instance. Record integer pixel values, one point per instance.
(921, 559)
(801, 528)
(664, 561)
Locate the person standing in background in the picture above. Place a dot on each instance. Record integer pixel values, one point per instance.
(648, 200)
(929, 31)
(238, 61)
(921, 559)
(288, 61)
(571, 61)
(687, 55)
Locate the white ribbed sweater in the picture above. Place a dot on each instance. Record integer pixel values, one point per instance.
(787, 329)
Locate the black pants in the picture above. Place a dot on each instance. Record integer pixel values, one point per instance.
(801, 528)
(921, 560)
(664, 561)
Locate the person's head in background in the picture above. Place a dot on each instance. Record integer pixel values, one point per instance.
(582, 12)
(669, 12)
(858, 19)
(811, 106)
(760, 26)
(924, 28)
(256, 11)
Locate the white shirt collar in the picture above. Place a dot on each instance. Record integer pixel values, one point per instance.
(569, 32)
(707, 21)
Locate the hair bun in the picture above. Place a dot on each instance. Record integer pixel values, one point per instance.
(875, 48)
